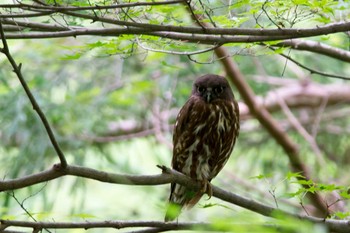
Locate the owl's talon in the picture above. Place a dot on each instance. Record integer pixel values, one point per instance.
(206, 188)
(209, 190)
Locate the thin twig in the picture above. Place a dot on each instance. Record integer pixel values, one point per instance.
(312, 71)
(21, 204)
(17, 69)
(318, 117)
(95, 7)
(301, 130)
(176, 52)
(197, 19)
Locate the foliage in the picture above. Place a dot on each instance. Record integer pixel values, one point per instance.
(111, 102)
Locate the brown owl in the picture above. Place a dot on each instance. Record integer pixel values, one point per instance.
(205, 133)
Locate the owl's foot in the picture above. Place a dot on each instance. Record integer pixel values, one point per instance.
(206, 188)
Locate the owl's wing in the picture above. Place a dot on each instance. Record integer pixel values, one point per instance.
(181, 134)
(182, 138)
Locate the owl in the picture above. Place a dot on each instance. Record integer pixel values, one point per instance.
(205, 133)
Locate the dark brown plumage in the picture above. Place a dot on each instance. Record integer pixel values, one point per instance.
(205, 132)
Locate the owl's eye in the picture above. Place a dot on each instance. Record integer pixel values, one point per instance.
(219, 89)
(201, 89)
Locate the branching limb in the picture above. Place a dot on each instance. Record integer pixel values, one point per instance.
(168, 176)
(187, 53)
(302, 131)
(17, 69)
(226, 35)
(316, 47)
(312, 71)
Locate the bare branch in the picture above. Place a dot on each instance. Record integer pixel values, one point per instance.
(192, 34)
(301, 130)
(316, 47)
(95, 7)
(107, 224)
(334, 225)
(22, 25)
(187, 53)
(313, 71)
(168, 176)
(28, 15)
(17, 69)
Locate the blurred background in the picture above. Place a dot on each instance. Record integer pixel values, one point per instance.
(112, 104)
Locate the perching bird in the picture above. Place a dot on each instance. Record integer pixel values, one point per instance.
(205, 133)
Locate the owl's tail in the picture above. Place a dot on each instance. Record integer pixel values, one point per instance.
(180, 197)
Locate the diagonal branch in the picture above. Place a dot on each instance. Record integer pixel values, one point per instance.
(17, 69)
(270, 124)
(301, 130)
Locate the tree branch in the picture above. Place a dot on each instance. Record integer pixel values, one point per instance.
(168, 176)
(312, 71)
(82, 8)
(316, 47)
(106, 224)
(17, 69)
(192, 34)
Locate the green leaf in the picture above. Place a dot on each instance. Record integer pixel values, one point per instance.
(261, 176)
(341, 215)
(83, 215)
(296, 175)
(73, 56)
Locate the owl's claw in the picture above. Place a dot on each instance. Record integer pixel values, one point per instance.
(206, 188)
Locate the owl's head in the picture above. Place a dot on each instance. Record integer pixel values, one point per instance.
(211, 87)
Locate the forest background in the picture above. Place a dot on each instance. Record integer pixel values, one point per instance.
(89, 92)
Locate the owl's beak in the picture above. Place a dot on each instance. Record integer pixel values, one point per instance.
(208, 96)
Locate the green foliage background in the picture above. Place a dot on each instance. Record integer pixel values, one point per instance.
(89, 86)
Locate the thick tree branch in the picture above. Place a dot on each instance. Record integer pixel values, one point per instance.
(115, 32)
(274, 33)
(334, 225)
(168, 176)
(191, 34)
(301, 94)
(17, 69)
(161, 226)
(56, 171)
